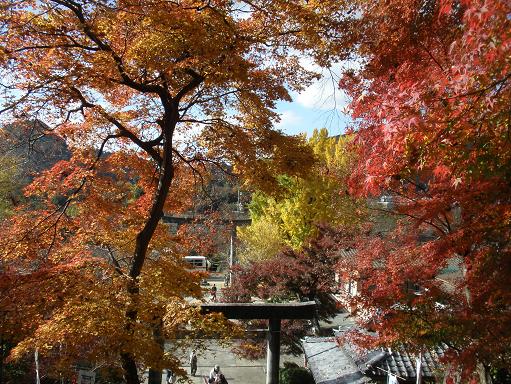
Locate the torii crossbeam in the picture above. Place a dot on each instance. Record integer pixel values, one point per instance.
(274, 312)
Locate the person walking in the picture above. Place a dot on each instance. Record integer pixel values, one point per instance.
(213, 293)
(193, 362)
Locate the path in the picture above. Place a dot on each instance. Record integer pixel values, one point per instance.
(236, 371)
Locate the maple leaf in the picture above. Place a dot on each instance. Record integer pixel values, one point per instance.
(452, 162)
(144, 94)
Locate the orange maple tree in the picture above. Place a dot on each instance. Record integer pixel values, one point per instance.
(143, 92)
(431, 101)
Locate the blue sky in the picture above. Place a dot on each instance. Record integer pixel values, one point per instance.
(321, 105)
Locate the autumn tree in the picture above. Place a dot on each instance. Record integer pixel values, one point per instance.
(291, 213)
(304, 275)
(431, 104)
(162, 87)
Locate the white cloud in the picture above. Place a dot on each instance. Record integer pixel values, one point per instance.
(324, 94)
(288, 119)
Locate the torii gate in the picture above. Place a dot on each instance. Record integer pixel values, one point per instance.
(274, 312)
(235, 220)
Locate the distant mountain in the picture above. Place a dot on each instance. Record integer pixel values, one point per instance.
(26, 149)
(34, 146)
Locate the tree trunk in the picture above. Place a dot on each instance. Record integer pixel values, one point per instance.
(142, 243)
(1, 360)
(484, 374)
(130, 369)
(155, 374)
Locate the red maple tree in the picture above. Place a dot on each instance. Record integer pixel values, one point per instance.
(431, 108)
(294, 275)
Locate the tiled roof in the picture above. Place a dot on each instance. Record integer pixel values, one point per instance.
(331, 363)
(334, 364)
(347, 253)
(401, 363)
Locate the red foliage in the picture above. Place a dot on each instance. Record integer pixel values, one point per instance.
(293, 275)
(431, 105)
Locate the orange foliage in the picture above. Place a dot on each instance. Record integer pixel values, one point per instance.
(143, 92)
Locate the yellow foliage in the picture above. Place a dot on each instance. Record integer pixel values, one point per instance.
(319, 197)
(260, 241)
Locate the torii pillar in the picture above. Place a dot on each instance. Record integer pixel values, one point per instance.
(274, 312)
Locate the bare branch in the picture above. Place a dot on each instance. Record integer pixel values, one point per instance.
(124, 131)
(115, 262)
(395, 213)
(72, 45)
(76, 8)
(197, 79)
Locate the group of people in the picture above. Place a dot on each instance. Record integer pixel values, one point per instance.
(215, 375)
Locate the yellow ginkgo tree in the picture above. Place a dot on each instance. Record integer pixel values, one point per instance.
(290, 217)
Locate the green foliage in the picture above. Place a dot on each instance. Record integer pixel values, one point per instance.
(10, 185)
(500, 376)
(294, 374)
(290, 218)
